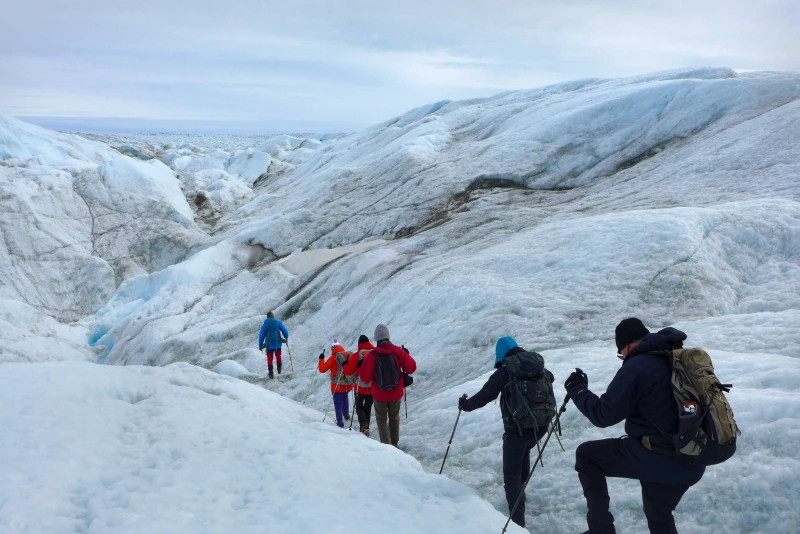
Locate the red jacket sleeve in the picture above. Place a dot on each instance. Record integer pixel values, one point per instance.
(352, 364)
(407, 363)
(367, 371)
(325, 366)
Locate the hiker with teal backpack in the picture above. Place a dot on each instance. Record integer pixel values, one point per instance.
(527, 404)
(677, 422)
(270, 339)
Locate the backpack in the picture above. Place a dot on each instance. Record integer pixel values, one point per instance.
(387, 371)
(706, 428)
(530, 401)
(272, 335)
(342, 379)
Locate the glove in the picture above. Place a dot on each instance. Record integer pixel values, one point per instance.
(322, 355)
(462, 400)
(405, 349)
(577, 378)
(261, 347)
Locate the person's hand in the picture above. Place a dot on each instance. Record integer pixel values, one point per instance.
(462, 401)
(322, 355)
(577, 378)
(405, 349)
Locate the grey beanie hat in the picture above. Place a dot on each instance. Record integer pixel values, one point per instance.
(381, 333)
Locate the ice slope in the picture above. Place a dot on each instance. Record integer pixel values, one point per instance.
(77, 218)
(677, 134)
(90, 448)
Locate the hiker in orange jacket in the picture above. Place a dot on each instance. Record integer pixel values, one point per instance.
(363, 389)
(341, 385)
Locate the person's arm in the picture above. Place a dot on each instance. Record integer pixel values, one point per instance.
(283, 330)
(327, 365)
(367, 370)
(489, 392)
(616, 404)
(352, 364)
(261, 335)
(407, 362)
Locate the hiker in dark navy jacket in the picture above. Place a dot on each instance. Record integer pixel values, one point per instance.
(641, 394)
(517, 443)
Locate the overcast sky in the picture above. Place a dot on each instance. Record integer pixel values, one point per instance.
(299, 65)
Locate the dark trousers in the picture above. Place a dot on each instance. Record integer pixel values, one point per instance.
(341, 403)
(664, 481)
(516, 466)
(363, 410)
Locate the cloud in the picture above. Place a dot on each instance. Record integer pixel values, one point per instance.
(355, 63)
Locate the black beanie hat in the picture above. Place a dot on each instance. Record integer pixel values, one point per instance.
(363, 339)
(628, 331)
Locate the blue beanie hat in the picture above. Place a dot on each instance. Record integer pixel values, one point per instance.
(504, 344)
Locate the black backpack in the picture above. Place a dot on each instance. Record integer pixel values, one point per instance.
(387, 371)
(531, 401)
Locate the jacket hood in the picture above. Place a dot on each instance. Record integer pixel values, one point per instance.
(366, 346)
(663, 341)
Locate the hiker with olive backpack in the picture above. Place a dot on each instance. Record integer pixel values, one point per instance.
(527, 404)
(385, 368)
(677, 422)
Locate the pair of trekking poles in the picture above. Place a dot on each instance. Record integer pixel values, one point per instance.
(555, 427)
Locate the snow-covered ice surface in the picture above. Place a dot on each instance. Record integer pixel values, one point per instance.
(548, 215)
(180, 449)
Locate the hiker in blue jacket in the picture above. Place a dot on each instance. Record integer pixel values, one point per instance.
(641, 395)
(270, 339)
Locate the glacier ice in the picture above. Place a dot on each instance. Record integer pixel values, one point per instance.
(547, 214)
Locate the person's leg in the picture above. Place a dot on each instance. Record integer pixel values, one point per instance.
(338, 401)
(594, 461)
(278, 359)
(360, 412)
(346, 406)
(394, 421)
(659, 501)
(382, 420)
(269, 362)
(516, 464)
(367, 410)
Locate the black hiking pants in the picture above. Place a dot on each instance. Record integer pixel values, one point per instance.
(664, 481)
(363, 410)
(516, 466)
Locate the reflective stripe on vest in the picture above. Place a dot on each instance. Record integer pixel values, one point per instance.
(360, 383)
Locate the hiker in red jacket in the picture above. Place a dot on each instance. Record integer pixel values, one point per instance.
(363, 389)
(384, 367)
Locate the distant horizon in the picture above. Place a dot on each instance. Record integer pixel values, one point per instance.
(118, 125)
(134, 125)
(311, 66)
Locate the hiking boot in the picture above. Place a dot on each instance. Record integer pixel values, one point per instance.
(279, 366)
(270, 373)
(365, 432)
(346, 417)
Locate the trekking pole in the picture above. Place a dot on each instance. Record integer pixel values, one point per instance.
(353, 414)
(464, 396)
(405, 400)
(310, 386)
(558, 433)
(290, 354)
(525, 485)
